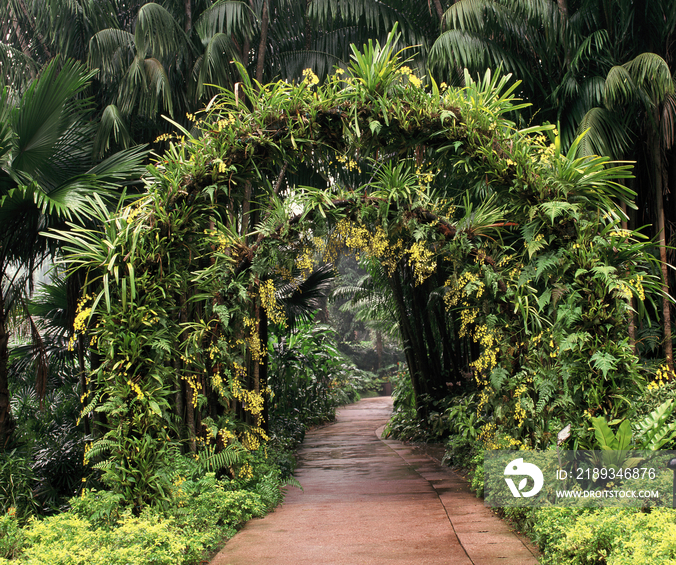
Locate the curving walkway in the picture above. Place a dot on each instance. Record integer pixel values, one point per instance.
(368, 501)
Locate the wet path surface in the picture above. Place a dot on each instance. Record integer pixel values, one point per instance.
(368, 501)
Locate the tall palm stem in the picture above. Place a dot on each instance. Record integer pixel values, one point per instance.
(6, 420)
(659, 189)
(265, 20)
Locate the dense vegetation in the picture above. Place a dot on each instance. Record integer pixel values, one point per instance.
(180, 345)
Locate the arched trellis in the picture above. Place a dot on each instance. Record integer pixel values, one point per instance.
(486, 233)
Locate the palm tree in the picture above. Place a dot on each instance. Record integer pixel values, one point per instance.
(589, 65)
(46, 174)
(639, 97)
(162, 58)
(558, 50)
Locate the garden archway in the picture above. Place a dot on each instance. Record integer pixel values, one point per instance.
(505, 259)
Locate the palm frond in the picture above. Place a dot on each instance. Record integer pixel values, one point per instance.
(112, 129)
(45, 114)
(302, 297)
(157, 33)
(606, 134)
(18, 68)
(293, 63)
(668, 121)
(215, 65)
(372, 14)
(474, 51)
(226, 16)
(111, 51)
(651, 73)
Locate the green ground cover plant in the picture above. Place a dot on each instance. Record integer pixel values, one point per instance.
(98, 529)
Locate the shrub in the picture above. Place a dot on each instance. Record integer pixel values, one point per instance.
(11, 535)
(67, 539)
(605, 536)
(17, 484)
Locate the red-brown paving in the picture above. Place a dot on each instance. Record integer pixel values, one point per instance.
(369, 501)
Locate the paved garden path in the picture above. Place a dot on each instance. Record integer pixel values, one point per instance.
(369, 501)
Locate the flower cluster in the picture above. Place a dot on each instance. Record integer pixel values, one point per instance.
(637, 285)
(519, 410)
(422, 260)
(488, 360)
(310, 77)
(226, 122)
(349, 163)
(458, 289)
(412, 78)
(253, 340)
(223, 242)
(662, 376)
(245, 471)
(218, 385)
(82, 314)
(305, 259)
(359, 238)
(491, 439)
(136, 388)
(274, 311)
(87, 449)
(195, 387)
(623, 290)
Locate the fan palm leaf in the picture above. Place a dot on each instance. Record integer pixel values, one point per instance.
(302, 297)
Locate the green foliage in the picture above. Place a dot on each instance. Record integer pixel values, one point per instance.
(609, 441)
(309, 377)
(516, 244)
(66, 540)
(605, 536)
(11, 535)
(464, 426)
(102, 509)
(652, 431)
(202, 513)
(17, 484)
(476, 475)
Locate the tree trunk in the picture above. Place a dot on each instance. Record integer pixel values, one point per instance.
(190, 416)
(188, 15)
(40, 37)
(308, 27)
(25, 49)
(263, 374)
(439, 9)
(659, 189)
(379, 349)
(7, 424)
(410, 347)
(563, 7)
(260, 65)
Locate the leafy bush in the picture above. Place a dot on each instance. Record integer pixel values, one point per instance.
(100, 508)
(67, 539)
(17, 484)
(606, 536)
(310, 378)
(404, 424)
(11, 535)
(100, 530)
